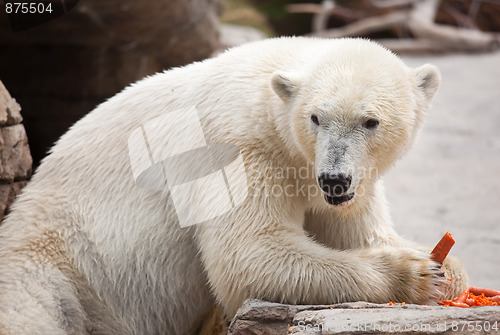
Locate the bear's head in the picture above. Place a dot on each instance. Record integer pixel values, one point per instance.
(354, 113)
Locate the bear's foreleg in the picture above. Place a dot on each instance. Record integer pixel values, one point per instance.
(285, 265)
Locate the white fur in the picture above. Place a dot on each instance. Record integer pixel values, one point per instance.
(86, 249)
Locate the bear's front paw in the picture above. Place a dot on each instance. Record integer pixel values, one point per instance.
(457, 279)
(414, 277)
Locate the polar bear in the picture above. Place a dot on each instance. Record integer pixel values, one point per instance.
(86, 251)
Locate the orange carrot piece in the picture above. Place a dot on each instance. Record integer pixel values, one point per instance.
(469, 299)
(439, 253)
(487, 291)
(445, 302)
(452, 303)
(462, 297)
(482, 300)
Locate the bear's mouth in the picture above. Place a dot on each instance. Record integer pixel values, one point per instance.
(339, 201)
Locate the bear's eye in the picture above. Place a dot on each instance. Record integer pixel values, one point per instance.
(314, 119)
(371, 124)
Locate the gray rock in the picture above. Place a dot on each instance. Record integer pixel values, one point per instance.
(10, 111)
(62, 69)
(15, 157)
(261, 317)
(8, 193)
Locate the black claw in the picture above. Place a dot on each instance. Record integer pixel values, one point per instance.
(438, 275)
(437, 267)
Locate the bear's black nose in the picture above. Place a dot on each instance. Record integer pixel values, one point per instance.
(334, 184)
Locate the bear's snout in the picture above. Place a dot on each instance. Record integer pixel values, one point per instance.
(334, 184)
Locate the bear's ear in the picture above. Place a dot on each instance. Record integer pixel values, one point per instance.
(285, 85)
(427, 79)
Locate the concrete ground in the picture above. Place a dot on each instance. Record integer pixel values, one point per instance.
(450, 180)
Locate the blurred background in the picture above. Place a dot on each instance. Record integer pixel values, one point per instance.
(61, 69)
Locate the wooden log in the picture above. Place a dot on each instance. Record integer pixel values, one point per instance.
(368, 25)
(419, 22)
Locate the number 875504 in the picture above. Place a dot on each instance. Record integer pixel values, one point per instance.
(28, 8)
